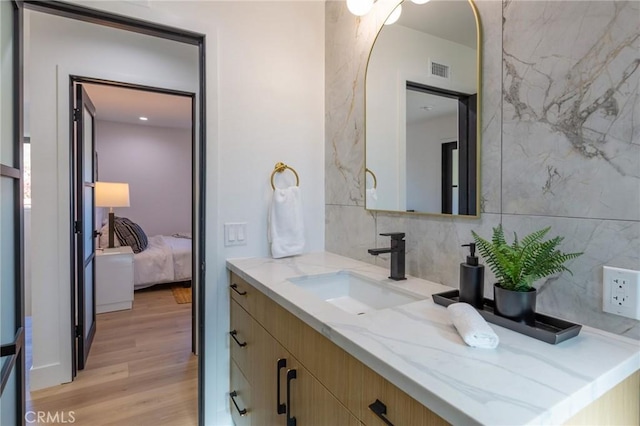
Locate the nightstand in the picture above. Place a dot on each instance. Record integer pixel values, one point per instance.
(114, 279)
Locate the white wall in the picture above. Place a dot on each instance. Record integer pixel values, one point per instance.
(156, 163)
(388, 71)
(424, 161)
(60, 47)
(265, 103)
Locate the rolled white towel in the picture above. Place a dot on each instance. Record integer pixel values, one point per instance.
(473, 329)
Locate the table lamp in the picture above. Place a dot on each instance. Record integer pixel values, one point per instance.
(112, 194)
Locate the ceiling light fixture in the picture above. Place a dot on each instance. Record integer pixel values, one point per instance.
(395, 15)
(362, 7)
(359, 7)
(143, 118)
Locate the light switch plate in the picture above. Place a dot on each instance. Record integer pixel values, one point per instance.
(621, 291)
(235, 234)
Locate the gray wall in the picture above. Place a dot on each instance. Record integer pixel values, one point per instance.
(156, 163)
(560, 146)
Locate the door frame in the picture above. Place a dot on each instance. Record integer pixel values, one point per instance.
(112, 20)
(76, 80)
(16, 350)
(467, 144)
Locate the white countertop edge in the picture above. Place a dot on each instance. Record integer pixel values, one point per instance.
(413, 389)
(559, 413)
(568, 408)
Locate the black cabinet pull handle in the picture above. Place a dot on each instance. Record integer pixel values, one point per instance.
(234, 287)
(233, 334)
(291, 374)
(380, 410)
(233, 398)
(281, 408)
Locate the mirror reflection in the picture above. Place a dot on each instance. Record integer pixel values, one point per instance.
(421, 111)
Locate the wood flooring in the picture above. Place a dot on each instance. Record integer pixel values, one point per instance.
(140, 369)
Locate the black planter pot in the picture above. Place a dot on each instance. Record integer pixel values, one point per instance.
(518, 306)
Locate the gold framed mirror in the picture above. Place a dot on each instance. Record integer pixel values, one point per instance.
(422, 111)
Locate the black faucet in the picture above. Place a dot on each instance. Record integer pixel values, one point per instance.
(397, 254)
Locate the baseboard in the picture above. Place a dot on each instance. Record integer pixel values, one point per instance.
(45, 376)
(111, 307)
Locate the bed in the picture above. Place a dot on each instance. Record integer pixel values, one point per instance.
(157, 260)
(166, 259)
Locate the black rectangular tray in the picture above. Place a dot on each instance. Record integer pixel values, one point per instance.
(546, 328)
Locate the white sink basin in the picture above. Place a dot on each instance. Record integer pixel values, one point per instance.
(354, 293)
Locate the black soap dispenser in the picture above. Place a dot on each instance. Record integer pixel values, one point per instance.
(472, 279)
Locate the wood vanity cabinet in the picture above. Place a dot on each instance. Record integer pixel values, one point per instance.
(400, 408)
(330, 388)
(265, 376)
(240, 397)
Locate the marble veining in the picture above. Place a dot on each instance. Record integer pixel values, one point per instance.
(578, 296)
(352, 231)
(490, 13)
(415, 347)
(560, 134)
(570, 87)
(347, 54)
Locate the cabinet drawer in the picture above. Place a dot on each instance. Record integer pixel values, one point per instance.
(270, 362)
(239, 397)
(338, 371)
(241, 291)
(312, 404)
(241, 337)
(401, 409)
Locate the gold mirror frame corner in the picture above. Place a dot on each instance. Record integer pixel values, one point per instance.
(479, 74)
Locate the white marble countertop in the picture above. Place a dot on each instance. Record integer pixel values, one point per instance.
(415, 347)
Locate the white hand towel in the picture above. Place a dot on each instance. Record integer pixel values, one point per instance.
(372, 197)
(473, 329)
(286, 228)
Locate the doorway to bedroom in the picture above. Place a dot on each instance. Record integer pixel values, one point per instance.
(141, 360)
(133, 158)
(144, 141)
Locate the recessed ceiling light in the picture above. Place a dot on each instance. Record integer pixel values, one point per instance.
(143, 118)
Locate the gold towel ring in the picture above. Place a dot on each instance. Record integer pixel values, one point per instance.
(281, 167)
(375, 180)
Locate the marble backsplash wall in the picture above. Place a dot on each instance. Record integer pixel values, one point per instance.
(560, 146)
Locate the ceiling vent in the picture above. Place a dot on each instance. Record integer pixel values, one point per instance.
(438, 69)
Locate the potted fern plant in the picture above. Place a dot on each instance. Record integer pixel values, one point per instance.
(517, 266)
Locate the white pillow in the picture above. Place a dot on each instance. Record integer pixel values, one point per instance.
(103, 242)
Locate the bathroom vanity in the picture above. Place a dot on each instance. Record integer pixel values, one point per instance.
(386, 354)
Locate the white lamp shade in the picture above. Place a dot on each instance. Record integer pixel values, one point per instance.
(112, 194)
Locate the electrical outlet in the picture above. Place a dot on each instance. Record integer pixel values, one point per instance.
(621, 292)
(235, 234)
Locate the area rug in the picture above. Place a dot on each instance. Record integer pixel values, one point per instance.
(181, 294)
